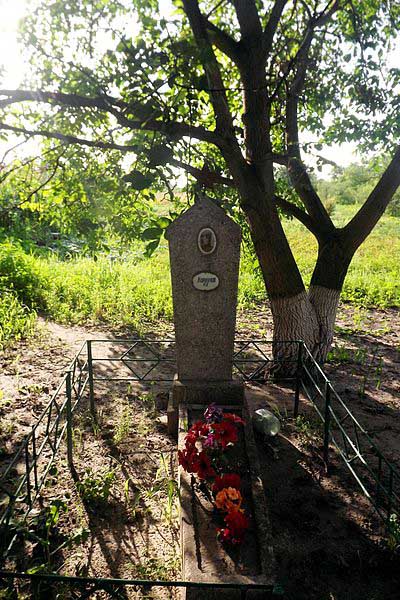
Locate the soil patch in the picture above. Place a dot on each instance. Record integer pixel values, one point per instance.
(327, 541)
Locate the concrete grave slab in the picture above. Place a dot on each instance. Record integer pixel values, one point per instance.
(204, 559)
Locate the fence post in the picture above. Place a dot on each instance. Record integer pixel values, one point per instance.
(327, 422)
(28, 474)
(90, 372)
(69, 418)
(299, 371)
(390, 498)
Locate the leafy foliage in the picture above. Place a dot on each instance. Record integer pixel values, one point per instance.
(126, 95)
(95, 488)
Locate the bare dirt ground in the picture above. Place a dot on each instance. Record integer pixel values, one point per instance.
(328, 542)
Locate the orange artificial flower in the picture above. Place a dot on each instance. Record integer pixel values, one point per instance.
(229, 499)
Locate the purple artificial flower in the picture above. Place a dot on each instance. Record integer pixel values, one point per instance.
(210, 441)
(213, 413)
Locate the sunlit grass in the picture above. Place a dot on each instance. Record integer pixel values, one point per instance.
(136, 291)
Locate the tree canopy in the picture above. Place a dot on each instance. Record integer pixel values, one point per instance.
(223, 90)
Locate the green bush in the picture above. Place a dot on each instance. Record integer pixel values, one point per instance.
(20, 273)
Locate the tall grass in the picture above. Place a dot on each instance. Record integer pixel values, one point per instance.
(136, 291)
(16, 320)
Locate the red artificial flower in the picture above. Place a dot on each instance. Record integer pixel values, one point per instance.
(225, 536)
(205, 470)
(225, 433)
(229, 480)
(189, 459)
(197, 430)
(237, 523)
(233, 418)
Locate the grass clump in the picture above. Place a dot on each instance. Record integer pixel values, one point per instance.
(16, 320)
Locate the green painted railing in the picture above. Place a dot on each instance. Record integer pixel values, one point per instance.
(151, 360)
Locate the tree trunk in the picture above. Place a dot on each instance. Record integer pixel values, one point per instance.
(324, 302)
(310, 316)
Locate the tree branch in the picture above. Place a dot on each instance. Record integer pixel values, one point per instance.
(46, 181)
(298, 213)
(223, 41)
(7, 209)
(249, 21)
(209, 178)
(296, 168)
(369, 214)
(73, 100)
(273, 22)
(204, 176)
(111, 105)
(223, 116)
(172, 129)
(29, 161)
(70, 139)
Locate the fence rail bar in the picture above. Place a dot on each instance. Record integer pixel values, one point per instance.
(137, 582)
(351, 441)
(379, 482)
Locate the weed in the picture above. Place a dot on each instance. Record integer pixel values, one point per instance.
(155, 568)
(138, 291)
(148, 401)
(359, 318)
(378, 373)
(95, 488)
(96, 422)
(281, 412)
(145, 425)
(306, 429)
(166, 488)
(362, 386)
(339, 354)
(123, 426)
(42, 529)
(77, 437)
(16, 320)
(7, 427)
(132, 502)
(4, 402)
(393, 540)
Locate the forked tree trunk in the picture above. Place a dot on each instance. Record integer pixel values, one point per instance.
(309, 317)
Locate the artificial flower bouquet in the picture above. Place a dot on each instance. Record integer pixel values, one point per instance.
(203, 456)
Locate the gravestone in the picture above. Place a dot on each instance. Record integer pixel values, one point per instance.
(204, 247)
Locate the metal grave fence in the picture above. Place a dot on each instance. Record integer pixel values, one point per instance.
(153, 360)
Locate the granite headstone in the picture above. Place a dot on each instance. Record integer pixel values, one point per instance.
(204, 247)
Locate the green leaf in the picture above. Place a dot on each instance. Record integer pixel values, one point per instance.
(38, 569)
(152, 233)
(150, 248)
(159, 155)
(164, 222)
(138, 180)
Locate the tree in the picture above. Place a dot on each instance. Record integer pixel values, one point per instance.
(224, 90)
(70, 198)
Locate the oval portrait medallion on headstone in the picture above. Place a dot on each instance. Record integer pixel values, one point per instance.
(205, 281)
(207, 240)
